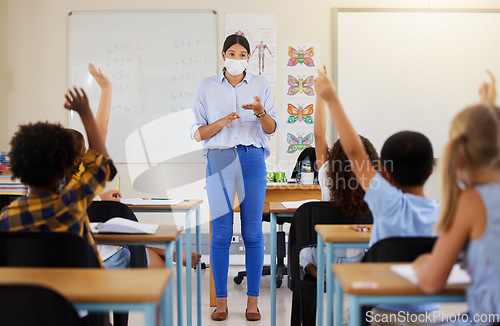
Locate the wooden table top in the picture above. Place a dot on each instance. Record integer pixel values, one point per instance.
(185, 205)
(291, 186)
(94, 285)
(277, 207)
(342, 233)
(165, 233)
(378, 279)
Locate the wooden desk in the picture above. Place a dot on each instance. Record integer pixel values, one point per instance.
(334, 237)
(165, 236)
(382, 286)
(98, 289)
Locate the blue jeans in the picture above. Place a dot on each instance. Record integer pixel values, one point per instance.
(120, 259)
(240, 170)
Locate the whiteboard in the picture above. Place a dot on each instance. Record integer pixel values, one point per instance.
(412, 69)
(154, 61)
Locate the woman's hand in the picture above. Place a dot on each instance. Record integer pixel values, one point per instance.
(256, 106)
(227, 120)
(488, 91)
(99, 77)
(324, 86)
(77, 101)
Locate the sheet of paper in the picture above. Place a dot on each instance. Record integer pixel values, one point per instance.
(151, 202)
(457, 274)
(296, 204)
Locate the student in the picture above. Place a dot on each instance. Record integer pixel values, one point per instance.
(395, 195)
(339, 184)
(40, 155)
(470, 216)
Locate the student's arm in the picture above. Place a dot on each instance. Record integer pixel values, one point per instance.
(320, 143)
(433, 269)
(488, 91)
(104, 108)
(207, 131)
(349, 139)
(77, 101)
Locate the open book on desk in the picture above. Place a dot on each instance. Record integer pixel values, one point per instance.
(457, 275)
(122, 225)
(151, 202)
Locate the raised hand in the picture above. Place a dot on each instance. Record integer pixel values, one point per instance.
(256, 106)
(77, 100)
(227, 120)
(488, 91)
(324, 86)
(99, 77)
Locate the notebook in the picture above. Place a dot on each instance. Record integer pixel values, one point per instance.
(122, 225)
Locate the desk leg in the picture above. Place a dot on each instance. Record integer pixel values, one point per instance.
(354, 311)
(329, 283)
(338, 308)
(198, 267)
(189, 313)
(168, 318)
(320, 281)
(178, 265)
(273, 268)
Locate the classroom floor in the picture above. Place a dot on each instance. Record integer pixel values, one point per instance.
(237, 303)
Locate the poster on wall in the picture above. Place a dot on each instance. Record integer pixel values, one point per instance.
(295, 141)
(261, 32)
(298, 112)
(301, 56)
(299, 83)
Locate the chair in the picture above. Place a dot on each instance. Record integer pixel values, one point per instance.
(50, 249)
(32, 305)
(396, 250)
(281, 268)
(302, 234)
(101, 211)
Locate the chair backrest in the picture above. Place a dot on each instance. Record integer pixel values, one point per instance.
(308, 152)
(101, 211)
(31, 305)
(399, 249)
(302, 233)
(46, 249)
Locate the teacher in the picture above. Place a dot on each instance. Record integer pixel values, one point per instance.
(234, 114)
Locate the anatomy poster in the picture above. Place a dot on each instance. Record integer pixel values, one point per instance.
(301, 56)
(261, 32)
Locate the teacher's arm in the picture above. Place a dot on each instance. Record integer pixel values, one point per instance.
(207, 131)
(266, 121)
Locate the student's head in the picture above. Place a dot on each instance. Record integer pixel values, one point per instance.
(407, 159)
(80, 149)
(474, 144)
(41, 153)
(236, 47)
(344, 187)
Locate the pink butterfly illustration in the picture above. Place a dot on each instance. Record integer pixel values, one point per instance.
(298, 142)
(300, 114)
(301, 85)
(300, 56)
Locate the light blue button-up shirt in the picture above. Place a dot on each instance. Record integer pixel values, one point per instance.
(216, 98)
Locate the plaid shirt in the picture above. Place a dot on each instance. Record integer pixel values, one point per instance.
(65, 211)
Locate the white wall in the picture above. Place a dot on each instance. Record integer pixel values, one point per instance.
(34, 61)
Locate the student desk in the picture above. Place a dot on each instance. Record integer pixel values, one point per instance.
(374, 283)
(165, 236)
(188, 206)
(277, 193)
(334, 237)
(98, 289)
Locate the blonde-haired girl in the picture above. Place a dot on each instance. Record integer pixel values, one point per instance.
(470, 215)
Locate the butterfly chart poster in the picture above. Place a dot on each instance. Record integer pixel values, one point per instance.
(301, 56)
(299, 83)
(261, 32)
(298, 112)
(296, 140)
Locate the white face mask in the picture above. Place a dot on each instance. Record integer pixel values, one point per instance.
(235, 67)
